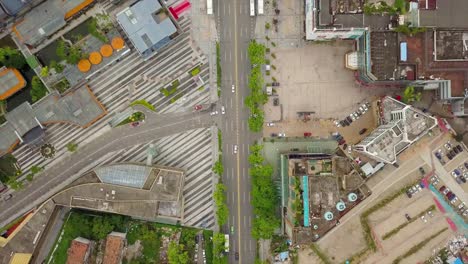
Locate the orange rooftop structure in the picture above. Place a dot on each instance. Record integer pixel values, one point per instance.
(11, 81)
(115, 245)
(79, 251)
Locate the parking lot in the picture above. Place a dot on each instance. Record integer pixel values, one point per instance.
(307, 86)
(420, 227)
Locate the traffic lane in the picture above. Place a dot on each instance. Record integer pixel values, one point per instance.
(53, 180)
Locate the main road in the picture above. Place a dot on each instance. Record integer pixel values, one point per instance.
(235, 28)
(70, 168)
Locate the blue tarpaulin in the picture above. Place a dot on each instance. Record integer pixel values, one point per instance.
(305, 198)
(403, 51)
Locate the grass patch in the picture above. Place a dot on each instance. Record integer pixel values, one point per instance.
(201, 88)
(144, 103)
(135, 117)
(320, 253)
(218, 67)
(220, 141)
(418, 246)
(195, 71)
(398, 228)
(168, 91)
(207, 236)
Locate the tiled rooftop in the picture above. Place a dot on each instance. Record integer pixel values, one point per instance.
(114, 245)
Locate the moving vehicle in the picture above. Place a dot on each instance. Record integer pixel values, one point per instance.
(281, 135)
(235, 149)
(237, 256)
(223, 110)
(232, 229)
(226, 243)
(233, 87)
(270, 124)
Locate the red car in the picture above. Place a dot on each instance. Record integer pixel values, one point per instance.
(198, 107)
(307, 134)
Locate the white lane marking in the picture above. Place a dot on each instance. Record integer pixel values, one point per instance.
(243, 196)
(224, 9)
(229, 9)
(230, 55)
(233, 196)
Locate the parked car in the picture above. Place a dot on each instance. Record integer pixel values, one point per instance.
(454, 200)
(7, 197)
(430, 214)
(456, 150)
(448, 146)
(442, 189)
(237, 255)
(466, 165)
(349, 119)
(409, 193)
(408, 217)
(438, 156)
(337, 123)
(275, 84)
(461, 205)
(448, 194)
(232, 229)
(421, 170)
(341, 142)
(459, 147)
(270, 124)
(273, 135)
(423, 218)
(362, 131)
(307, 134)
(198, 107)
(281, 135)
(446, 191)
(223, 110)
(463, 179)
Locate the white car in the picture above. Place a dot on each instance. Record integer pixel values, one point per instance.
(235, 149)
(281, 135)
(423, 218)
(270, 124)
(233, 88)
(214, 113)
(223, 111)
(352, 117)
(349, 149)
(455, 199)
(337, 123)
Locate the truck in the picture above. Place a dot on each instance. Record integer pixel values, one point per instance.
(209, 7)
(252, 7)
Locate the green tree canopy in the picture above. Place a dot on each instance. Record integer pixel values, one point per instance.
(11, 58)
(38, 90)
(410, 96)
(222, 211)
(176, 254)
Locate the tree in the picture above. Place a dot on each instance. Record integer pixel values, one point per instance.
(45, 71)
(256, 53)
(267, 25)
(75, 54)
(410, 31)
(222, 211)
(101, 228)
(11, 58)
(30, 177)
(38, 90)
(62, 49)
(218, 248)
(15, 185)
(56, 66)
(72, 147)
(218, 167)
(409, 95)
(36, 169)
(176, 254)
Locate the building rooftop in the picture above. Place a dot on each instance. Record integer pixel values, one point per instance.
(451, 45)
(20, 258)
(13, 7)
(115, 243)
(79, 107)
(147, 25)
(131, 175)
(77, 253)
(447, 14)
(11, 81)
(402, 125)
(46, 19)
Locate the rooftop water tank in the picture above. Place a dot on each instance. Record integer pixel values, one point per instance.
(352, 197)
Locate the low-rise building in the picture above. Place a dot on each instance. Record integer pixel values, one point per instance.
(401, 126)
(148, 25)
(115, 245)
(79, 251)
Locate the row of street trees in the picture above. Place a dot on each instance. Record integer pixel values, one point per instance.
(264, 195)
(257, 97)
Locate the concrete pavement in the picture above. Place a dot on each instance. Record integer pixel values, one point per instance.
(71, 167)
(235, 28)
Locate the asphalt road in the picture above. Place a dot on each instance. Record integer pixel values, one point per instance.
(70, 168)
(235, 31)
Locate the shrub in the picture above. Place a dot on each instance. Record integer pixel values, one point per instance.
(195, 71)
(94, 30)
(11, 58)
(38, 90)
(72, 147)
(45, 71)
(144, 103)
(267, 26)
(58, 67)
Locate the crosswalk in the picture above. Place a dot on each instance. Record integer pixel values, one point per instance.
(131, 79)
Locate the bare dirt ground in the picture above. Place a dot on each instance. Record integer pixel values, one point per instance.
(308, 256)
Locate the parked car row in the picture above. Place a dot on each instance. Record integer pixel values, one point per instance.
(450, 151)
(413, 190)
(339, 138)
(353, 116)
(451, 197)
(462, 209)
(460, 174)
(434, 180)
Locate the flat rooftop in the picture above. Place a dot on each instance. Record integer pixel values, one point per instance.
(46, 19)
(11, 81)
(451, 45)
(131, 189)
(402, 126)
(448, 14)
(147, 25)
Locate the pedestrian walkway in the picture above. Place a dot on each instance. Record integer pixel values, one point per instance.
(124, 82)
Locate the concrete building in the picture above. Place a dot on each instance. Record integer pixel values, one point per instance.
(79, 251)
(115, 245)
(148, 25)
(401, 126)
(26, 123)
(46, 19)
